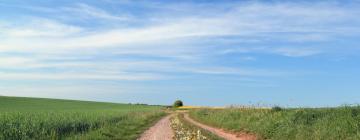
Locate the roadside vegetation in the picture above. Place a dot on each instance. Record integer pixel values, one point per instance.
(178, 103)
(33, 118)
(284, 124)
(186, 131)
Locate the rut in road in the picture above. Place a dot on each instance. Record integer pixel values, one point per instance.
(220, 132)
(160, 131)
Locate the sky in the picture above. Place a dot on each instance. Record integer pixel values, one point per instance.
(207, 53)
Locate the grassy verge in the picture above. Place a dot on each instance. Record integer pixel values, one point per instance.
(32, 118)
(187, 131)
(130, 128)
(296, 124)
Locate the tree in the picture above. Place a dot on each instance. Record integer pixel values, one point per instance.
(178, 103)
(276, 108)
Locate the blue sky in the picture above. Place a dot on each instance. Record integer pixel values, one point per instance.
(212, 53)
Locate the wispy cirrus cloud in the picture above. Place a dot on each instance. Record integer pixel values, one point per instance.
(185, 40)
(38, 27)
(79, 76)
(152, 50)
(289, 51)
(87, 11)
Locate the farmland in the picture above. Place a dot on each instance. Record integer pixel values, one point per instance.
(284, 124)
(37, 118)
(33, 118)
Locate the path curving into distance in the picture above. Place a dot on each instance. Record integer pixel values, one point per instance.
(220, 132)
(160, 131)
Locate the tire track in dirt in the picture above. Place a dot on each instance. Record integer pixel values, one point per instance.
(160, 131)
(220, 132)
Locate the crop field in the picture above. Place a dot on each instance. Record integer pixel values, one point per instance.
(37, 118)
(285, 124)
(33, 118)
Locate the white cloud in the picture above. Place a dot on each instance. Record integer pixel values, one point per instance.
(13, 61)
(39, 27)
(240, 72)
(93, 12)
(290, 51)
(296, 52)
(247, 20)
(79, 76)
(184, 39)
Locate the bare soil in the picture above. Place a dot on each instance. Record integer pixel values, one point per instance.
(160, 131)
(220, 132)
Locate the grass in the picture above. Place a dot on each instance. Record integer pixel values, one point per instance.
(34, 118)
(296, 124)
(185, 130)
(188, 107)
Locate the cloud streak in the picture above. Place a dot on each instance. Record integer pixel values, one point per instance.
(88, 11)
(182, 42)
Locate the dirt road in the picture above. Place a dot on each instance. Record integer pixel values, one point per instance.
(160, 131)
(220, 132)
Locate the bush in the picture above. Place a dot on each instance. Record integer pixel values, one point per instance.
(178, 103)
(276, 108)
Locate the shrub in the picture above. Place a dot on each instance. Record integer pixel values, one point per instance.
(276, 108)
(178, 103)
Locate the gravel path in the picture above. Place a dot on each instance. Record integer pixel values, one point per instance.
(220, 132)
(160, 131)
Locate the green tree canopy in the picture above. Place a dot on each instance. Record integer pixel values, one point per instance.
(178, 103)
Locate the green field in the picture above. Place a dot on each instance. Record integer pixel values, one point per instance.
(342, 123)
(33, 118)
